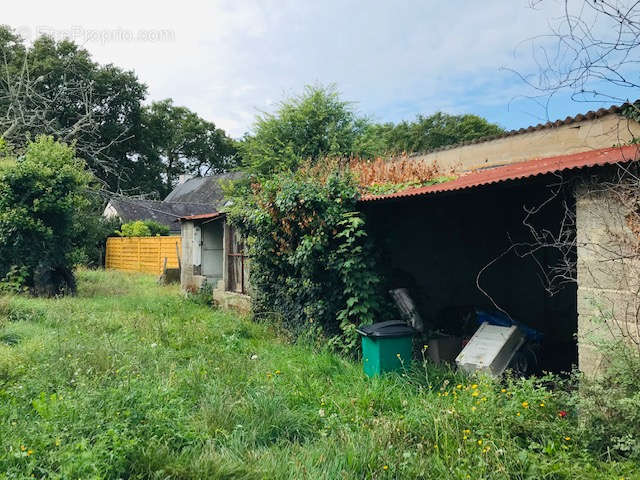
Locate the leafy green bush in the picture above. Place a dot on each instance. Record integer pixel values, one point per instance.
(311, 260)
(312, 125)
(93, 229)
(143, 228)
(41, 195)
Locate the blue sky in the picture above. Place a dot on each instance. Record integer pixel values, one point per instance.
(229, 60)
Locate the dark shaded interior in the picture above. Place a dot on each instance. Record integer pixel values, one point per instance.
(436, 245)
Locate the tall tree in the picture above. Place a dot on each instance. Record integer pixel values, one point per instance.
(182, 142)
(54, 88)
(319, 123)
(309, 126)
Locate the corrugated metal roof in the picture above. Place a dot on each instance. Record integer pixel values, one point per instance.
(530, 168)
(204, 216)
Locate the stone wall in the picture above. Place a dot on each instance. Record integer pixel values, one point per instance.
(608, 274)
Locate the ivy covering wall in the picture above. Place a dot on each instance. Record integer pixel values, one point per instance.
(312, 263)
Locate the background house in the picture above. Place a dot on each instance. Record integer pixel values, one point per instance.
(192, 196)
(128, 209)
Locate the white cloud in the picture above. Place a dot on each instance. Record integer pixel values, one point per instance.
(231, 59)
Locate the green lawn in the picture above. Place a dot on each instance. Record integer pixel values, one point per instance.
(131, 380)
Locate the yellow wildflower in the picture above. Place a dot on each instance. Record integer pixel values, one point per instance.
(504, 390)
(525, 404)
(385, 467)
(474, 386)
(479, 441)
(567, 438)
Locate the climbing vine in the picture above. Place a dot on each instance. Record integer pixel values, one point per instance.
(312, 262)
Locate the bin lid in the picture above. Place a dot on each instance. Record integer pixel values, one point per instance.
(390, 329)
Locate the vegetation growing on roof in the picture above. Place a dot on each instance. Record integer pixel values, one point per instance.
(385, 176)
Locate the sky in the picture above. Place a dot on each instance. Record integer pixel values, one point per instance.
(231, 60)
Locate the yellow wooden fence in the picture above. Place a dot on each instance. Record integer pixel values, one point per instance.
(142, 254)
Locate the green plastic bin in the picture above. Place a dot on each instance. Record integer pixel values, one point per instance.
(386, 347)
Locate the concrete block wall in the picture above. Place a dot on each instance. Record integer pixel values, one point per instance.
(186, 273)
(578, 136)
(608, 274)
(191, 277)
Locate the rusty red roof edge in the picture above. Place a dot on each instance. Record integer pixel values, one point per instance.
(516, 171)
(202, 216)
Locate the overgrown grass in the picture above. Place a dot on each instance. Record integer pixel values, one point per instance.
(131, 380)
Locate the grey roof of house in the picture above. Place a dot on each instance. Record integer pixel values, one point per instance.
(202, 189)
(166, 213)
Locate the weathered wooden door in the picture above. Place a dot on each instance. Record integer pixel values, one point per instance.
(237, 263)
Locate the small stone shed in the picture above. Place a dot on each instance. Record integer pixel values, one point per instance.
(454, 243)
(213, 254)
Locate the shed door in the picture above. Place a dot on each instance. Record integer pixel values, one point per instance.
(212, 251)
(238, 265)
